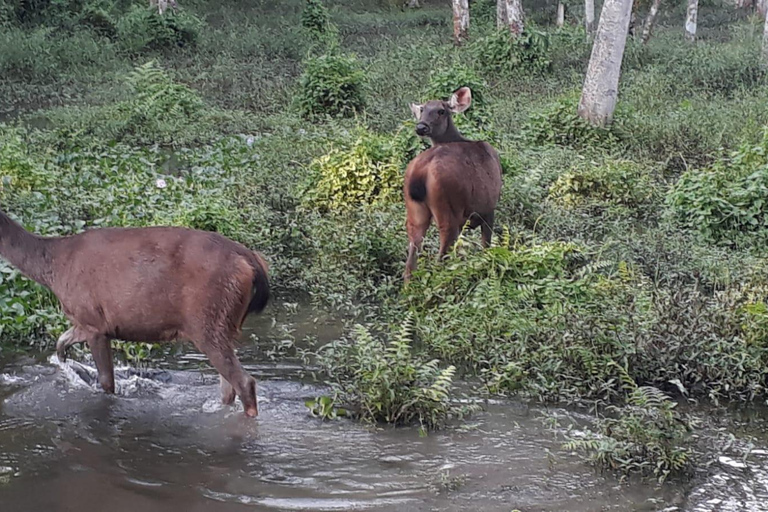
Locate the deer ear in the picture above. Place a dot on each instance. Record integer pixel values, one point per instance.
(460, 100)
(416, 109)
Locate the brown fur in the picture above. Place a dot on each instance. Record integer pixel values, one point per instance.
(455, 181)
(148, 284)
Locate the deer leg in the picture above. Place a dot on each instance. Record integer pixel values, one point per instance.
(449, 233)
(102, 356)
(72, 336)
(417, 224)
(486, 229)
(227, 391)
(223, 358)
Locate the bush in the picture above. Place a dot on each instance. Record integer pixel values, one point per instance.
(366, 174)
(645, 436)
(612, 182)
(726, 202)
(315, 16)
(501, 53)
(142, 29)
(560, 124)
(331, 85)
(385, 382)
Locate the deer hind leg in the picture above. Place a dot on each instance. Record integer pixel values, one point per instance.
(419, 218)
(222, 356)
(486, 229)
(72, 336)
(102, 356)
(449, 233)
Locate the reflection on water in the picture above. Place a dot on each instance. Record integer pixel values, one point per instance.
(164, 443)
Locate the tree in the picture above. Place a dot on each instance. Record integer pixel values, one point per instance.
(650, 20)
(515, 16)
(413, 4)
(560, 14)
(460, 21)
(589, 17)
(765, 38)
(690, 20)
(601, 85)
(501, 14)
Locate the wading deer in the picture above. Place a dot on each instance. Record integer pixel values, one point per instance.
(148, 284)
(454, 181)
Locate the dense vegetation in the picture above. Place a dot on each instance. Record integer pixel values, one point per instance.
(626, 259)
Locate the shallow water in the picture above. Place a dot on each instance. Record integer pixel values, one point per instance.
(165, 444)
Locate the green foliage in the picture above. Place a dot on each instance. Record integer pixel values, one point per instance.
(158, 110)
(726, 202)
(500, 53)
(315, 16)
(331, 85)
(443, 82)
(144, 29)
(612, 182)
(386, 382)
(560, 124)
(366, 174)
(646, 436)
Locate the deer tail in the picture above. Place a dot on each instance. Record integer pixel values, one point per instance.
(260, 291)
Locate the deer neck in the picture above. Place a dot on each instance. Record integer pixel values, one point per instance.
(29, 253)
(451, 134)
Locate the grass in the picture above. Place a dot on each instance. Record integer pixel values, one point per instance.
(618, 258)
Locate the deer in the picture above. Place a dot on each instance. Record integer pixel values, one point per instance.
(455, 181)
(149, 284)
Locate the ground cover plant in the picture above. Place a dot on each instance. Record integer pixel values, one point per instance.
(633, 254)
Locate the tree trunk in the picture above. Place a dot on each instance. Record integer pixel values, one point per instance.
(690, 20)
(460, 21)
(601, 85)
(761, 6)
(765, 39)
(413, 4)
(515, 16)
(501, 14)
(589, 17)
(650, 20)
(560, 14)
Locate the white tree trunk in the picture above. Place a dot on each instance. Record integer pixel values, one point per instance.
(650, 20)
(589, 17)
(460, 21)
(761, 6)
(515, 16)
(601, 85)
(501, 14)
(690, 20)
(413, 4)
(765, 39)
(560, 14)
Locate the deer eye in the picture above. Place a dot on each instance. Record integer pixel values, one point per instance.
(441, 112)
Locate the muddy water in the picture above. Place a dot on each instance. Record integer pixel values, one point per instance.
(164, 443)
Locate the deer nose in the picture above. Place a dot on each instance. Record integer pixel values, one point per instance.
(422, 129)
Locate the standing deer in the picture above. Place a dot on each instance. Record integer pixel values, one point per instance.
(148, 284)
(454, 181)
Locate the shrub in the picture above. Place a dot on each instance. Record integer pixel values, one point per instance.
(386, 382)
(646, 436)
(142, 29)
(560, 124)
(365, 174)
(726, 202)
(315, 16)
(500, 53)
(443, 82)
(331, 85)
(612, 182)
